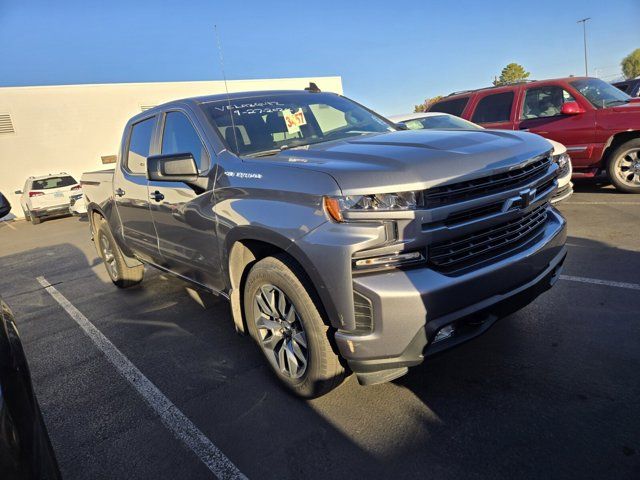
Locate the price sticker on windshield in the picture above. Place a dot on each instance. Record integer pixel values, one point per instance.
(294, 120)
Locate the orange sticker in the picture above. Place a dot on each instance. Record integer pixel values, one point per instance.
(294, 120)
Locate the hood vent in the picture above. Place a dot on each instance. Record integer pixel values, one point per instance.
(6, 125)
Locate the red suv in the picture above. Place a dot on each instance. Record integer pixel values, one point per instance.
(599, 124)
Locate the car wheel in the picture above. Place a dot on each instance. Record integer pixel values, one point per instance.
(624, 167)
(287, 325)
(120, 273)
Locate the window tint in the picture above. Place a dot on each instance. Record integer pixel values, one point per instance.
(139, 146)
(454, 106)
(494, 108)
(53, 182)
(181, 137)
(544, 102)
(622, 86)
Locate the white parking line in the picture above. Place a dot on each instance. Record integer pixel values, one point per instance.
(172, 418)
(601, 203)
(597, 281)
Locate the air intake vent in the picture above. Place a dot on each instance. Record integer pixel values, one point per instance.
(6, 125)
(144, 108)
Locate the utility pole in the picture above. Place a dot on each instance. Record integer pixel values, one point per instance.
(584, 36)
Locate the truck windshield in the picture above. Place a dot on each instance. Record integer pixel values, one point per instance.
(264, 125)
(599, 93)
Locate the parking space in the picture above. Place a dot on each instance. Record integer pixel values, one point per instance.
(552, 391)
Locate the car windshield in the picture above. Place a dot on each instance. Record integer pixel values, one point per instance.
(53, 182)
(441, 122)
(599, 93)
(264, 125)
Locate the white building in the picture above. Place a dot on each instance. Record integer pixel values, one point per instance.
(76, 128)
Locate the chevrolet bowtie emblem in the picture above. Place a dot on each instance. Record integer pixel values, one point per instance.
(527, 196)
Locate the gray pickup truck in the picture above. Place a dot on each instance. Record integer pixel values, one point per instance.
(343, 243)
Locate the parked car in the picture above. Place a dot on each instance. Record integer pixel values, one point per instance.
(342, 243)
(631, 86)
(599, 124)
(77, 205)
(5, 206)
(25, 449)
(47, 196)
(446, 121)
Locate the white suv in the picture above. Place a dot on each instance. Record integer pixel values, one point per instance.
(47, 196)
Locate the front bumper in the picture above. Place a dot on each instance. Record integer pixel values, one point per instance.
(411, 306)
(562, 193)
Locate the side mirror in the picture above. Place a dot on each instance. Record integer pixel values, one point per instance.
(571, 108)
(401, 126)
(18, 192)
(175, 167)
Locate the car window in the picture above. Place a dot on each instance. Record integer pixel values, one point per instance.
(180, 136)
(139, 146)
(600, 94)
(442, 122)
(454, 106)
(622, 86)
(494, 108)
(53, 182)
(543, 102)
(266, 124)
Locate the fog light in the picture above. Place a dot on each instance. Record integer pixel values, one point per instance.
(444, 333)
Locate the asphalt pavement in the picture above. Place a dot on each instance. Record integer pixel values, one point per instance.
(552, 391)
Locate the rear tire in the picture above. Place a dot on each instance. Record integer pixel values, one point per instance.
(623, 167)
(288, 327)
(120, 273)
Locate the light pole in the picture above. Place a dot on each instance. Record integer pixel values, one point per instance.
(584, 35)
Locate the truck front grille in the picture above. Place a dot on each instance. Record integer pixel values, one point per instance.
(469, 250)
(461, 191)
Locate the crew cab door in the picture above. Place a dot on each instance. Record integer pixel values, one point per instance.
(130, 190)
(541, 114)
(183, 216)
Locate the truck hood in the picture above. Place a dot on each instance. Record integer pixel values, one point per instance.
(414, 159)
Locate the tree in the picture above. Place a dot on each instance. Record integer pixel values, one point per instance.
(631, 64)
(426, 104)
(510, 74)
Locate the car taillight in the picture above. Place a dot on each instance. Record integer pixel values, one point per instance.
(77, 187)
(35, 194)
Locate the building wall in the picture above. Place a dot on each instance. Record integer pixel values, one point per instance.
(68, 128)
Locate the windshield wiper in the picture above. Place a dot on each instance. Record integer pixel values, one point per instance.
(265, 153)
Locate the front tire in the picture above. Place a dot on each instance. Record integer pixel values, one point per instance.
(623, 167)
(120, 273)
(288, 327)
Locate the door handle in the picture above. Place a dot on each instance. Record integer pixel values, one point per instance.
(157, 196)
(119, 192)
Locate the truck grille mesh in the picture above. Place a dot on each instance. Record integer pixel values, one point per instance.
(461, 191)
(485, 244)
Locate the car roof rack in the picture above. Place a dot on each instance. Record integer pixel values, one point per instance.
(508, 84)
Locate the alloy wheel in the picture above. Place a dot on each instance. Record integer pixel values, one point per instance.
(280, 331)
(627, 167)
(108, 256)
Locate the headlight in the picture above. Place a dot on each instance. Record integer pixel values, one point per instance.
(335, 206)
(562, 160)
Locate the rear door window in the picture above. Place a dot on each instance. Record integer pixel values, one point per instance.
(53, 182)
(454, 106)
(139, 146)
(494, 108)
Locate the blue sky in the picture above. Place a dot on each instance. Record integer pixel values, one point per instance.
(390, 55)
